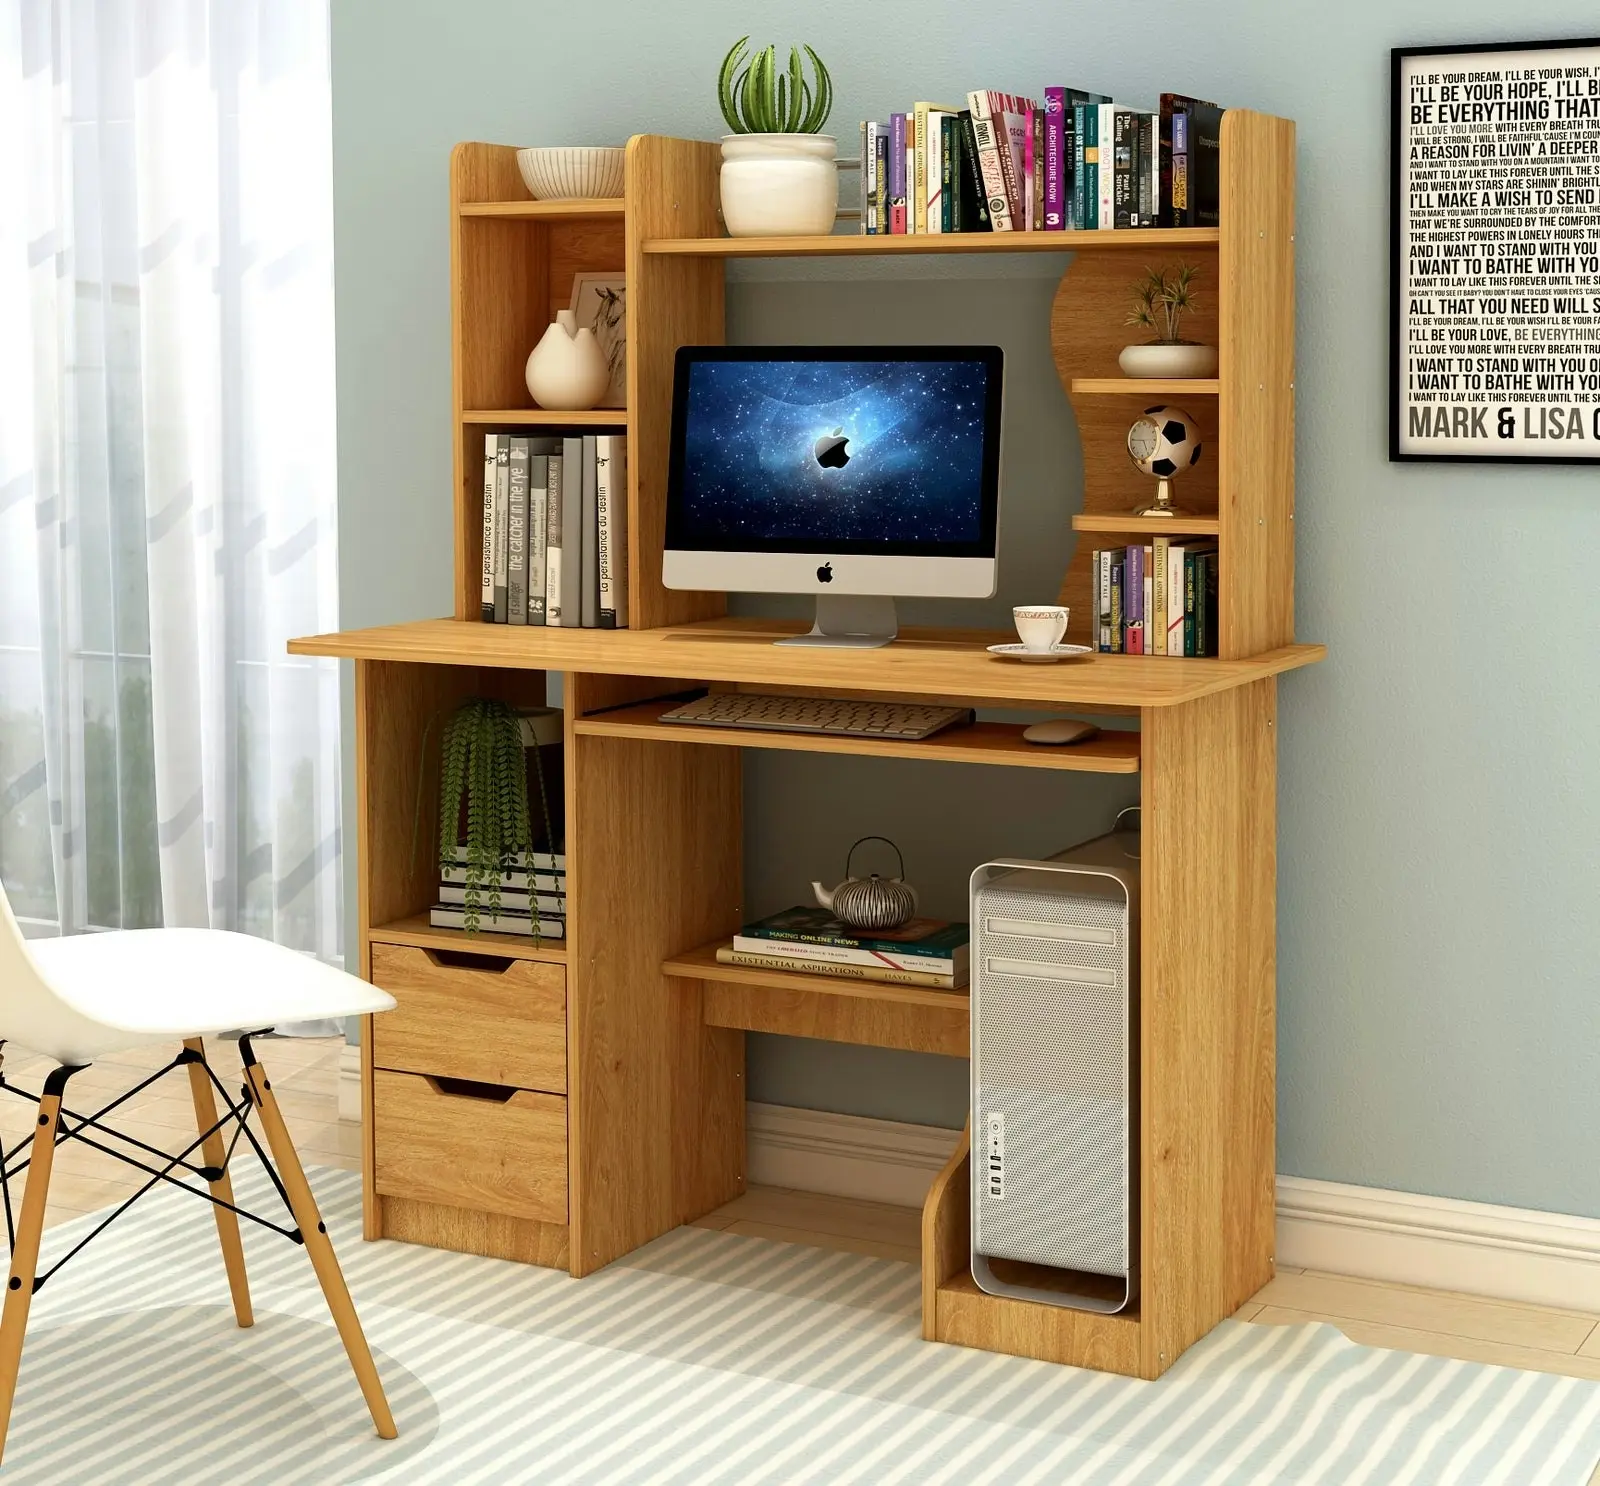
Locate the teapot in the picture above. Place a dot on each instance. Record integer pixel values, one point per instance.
(870, 902)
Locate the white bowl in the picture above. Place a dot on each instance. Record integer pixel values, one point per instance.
(570, 172)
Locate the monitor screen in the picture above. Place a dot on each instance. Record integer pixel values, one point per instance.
(836, 450)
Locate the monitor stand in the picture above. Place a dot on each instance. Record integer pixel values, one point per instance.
(850, 622)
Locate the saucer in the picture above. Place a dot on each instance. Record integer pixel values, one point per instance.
(1038, 657)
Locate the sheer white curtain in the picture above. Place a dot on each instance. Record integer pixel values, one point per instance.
(167, 513)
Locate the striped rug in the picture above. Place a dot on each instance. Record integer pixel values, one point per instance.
(706, 1357)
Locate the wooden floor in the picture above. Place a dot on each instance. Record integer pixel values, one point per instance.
(305, 1077)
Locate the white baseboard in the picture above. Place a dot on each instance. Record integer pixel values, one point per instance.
(1503, 1253)
(350, 1083)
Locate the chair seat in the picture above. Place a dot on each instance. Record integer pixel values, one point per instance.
(138, 986)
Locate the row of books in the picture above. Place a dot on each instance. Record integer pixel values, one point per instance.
(1159, 599)
(811, 941)
(1006, 163)
(536, 881)
(555, 530)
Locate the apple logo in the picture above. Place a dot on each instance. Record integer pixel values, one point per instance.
(825, 573)
(830, 451)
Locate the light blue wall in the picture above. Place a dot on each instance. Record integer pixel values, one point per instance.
(1439, 943)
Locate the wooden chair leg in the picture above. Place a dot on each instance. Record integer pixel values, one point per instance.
(214, 1152)
(25, 1252)
(319, 1248)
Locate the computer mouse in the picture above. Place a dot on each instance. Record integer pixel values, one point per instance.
(1060, 730)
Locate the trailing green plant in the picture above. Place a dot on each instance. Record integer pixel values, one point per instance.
(758, 98)
(1161, 299)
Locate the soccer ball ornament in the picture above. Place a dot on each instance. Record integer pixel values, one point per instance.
(1163, 443)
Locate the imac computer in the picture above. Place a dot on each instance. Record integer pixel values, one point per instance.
(852, 473)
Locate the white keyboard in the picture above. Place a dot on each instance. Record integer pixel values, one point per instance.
(855, 719)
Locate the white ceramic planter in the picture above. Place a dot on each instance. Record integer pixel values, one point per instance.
(779, 185)
(567, 370)
(1164, 359)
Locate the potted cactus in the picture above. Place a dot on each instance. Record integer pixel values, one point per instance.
(780, 177)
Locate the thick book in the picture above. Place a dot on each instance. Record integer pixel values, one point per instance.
(572, 531)
(949, 173)
(728, 955)
(491, 457)
(881, 177)
(1205, 177)
(513, 899)
(1083, 155)
(453, 916)
(590, 597)
(1145, 164)
(994, 148)
(538, 524)
(834, 954)
(1105, 163)
(1157, 630)
(517, 533)
(1055, 174)
(540, 861)
(897, 173)
(548, 884)
(1125, 180)
(611, 503)
(974, 203)
(502, 506)
(929, 185)
(1133, 601)
(1018, 117)
(1179, 167)
(814, 925)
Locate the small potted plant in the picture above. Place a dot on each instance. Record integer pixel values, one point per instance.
(1160, 301)
(780, 177)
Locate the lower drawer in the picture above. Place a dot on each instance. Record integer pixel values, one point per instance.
(471, 1146)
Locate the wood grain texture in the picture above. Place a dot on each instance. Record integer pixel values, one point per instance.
(1048, 1333)
(806, 1011)
(544, 418)
(496, 1027)
(213, 1151)
(671, 189)
(936, 664)
(1144, 388)
(1166, 526)
(1256, 449)
(595, 206)
(1087, 332)
(946, 1230)
(467, 1152)
(980, 743)
(25, 1254)
(1208, 1102)
(466, 1231)
(654, 845)
(848, 245)
(415, 929)
(708, 1104)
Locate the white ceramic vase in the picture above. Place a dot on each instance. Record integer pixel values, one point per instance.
(567, 370)
(1169, 359)
(779, 185)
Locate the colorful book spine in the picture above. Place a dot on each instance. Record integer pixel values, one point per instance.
(1133, 602)
(1080, 176)
(838, 954)
(975, 201)
(1030, 173)
(1119, 570)
(1145, 165)
(502, 510)
(1106, 162)
(1103, 588)
(917, 180)
(897, 173)
(1158, 590)
(491, 453)
(517, 533)
(1037, 118)
(728, 955)
(949, 173)
(1148, 633)
(1017, 114)
(1124, 182)
(1055, 145)
(880, 176)
(1174, 599)
(538, 519)
(987, 132)
(1191, 565)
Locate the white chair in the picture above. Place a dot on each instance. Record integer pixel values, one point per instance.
(77, 999)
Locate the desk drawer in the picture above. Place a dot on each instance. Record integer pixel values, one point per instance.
(493, 1020)
(499, 1151)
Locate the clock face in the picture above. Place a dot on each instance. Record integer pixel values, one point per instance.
(1143, 439)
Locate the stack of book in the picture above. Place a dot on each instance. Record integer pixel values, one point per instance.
(534, 884)
(1159, 599)
(924, 952)
(1076, 160)
(555, 530)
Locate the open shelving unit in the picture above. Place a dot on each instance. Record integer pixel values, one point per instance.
(564, 1104)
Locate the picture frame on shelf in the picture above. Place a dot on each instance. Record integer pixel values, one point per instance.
(600, 302)
(1494, 281)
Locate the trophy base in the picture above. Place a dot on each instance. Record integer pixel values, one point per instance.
(1163, 504)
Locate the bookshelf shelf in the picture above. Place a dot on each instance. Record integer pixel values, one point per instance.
(875, 1013)
(1164, 526)
(1142, 386)
(526, 210)
(981, 743)
(416, 931)
(859, 244)
(545, 418)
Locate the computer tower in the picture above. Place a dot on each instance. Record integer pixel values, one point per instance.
(1055, 1076)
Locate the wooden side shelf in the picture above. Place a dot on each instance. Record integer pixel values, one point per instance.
(545, 418)
(918, 1019)
(602, 206)
(1165, 526)
(980, 743)
(857, 244)
(416, 931)
(1141, 386)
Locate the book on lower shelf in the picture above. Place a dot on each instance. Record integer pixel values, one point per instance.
(812, 940)
(728, 955)
(555, 533)
(506, 921)
(1159, 599)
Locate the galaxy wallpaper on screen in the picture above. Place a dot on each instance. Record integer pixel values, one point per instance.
(823, 452)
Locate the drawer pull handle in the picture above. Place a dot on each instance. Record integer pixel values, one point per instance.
(465, 959)
(466, 1088)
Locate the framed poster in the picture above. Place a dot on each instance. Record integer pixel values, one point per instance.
(1494, 289)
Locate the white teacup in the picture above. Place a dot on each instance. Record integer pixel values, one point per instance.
(1040, 626)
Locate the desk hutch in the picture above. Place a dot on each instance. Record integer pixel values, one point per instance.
(564, 1104)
